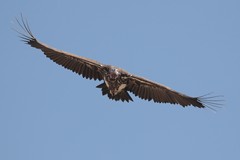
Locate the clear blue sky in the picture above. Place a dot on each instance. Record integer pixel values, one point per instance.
(48, 112)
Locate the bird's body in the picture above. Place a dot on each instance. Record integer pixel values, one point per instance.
(116, 82)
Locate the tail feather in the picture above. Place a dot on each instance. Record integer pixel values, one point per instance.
(123, 95)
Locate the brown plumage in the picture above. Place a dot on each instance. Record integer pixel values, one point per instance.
(117, 82)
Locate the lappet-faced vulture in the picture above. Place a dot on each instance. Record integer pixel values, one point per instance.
(116, 82)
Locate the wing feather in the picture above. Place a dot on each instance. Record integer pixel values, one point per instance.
(83, 66)
(148, 90)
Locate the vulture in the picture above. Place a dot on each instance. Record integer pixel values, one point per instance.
(116, 82)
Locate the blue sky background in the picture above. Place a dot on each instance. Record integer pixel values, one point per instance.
(48, 112)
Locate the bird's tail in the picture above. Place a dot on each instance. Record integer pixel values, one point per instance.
(123, 95)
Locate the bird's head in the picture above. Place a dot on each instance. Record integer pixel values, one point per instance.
(113, 74)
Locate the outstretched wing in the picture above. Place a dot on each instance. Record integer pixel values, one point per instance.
(83, 66)
(148, 90)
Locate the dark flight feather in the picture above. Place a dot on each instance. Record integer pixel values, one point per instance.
(83, 66)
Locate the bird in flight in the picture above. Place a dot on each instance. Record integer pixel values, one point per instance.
(117, 83)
